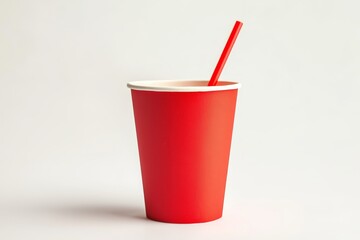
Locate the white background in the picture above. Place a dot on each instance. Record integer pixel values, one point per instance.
(69, 167)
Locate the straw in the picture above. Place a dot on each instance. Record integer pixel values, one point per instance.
(225, 54)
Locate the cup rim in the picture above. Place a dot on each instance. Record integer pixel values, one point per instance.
(181, 85)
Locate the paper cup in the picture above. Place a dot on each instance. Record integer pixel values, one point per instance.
(184, 131)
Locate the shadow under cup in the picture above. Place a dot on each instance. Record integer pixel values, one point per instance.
(184, 131)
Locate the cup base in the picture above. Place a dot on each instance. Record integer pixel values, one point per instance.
(183, 221)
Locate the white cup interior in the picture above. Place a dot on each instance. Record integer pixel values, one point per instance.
(182, 85)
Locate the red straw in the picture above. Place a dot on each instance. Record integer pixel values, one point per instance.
(225, 54)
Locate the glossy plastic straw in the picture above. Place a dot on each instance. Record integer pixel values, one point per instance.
(225, 54)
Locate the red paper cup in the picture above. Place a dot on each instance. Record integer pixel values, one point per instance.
(184, 131)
